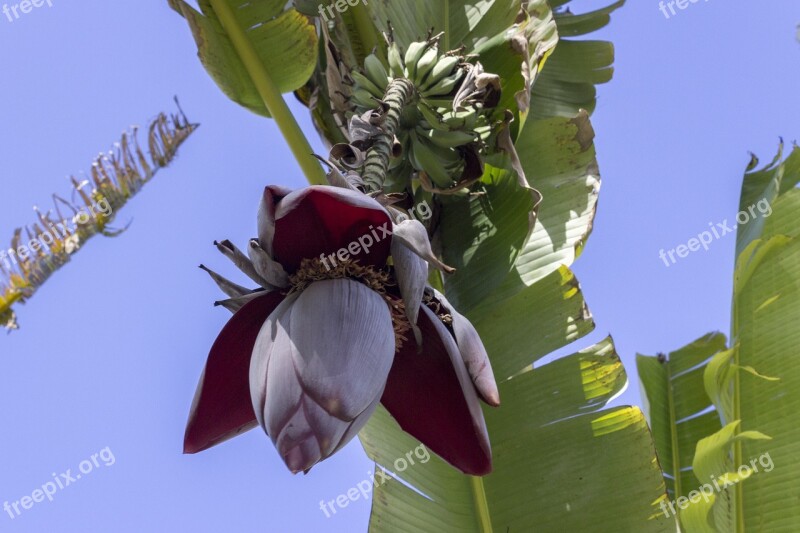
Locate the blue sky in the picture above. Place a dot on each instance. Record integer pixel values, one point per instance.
(110, 350)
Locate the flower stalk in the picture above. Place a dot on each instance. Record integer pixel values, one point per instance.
(39, 249)
(398, 94)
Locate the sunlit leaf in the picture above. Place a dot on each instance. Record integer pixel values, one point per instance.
(559, 458)
(753, 384)
(284, 40)
(568, 80)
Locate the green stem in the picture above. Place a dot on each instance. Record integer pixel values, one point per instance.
(398, 94)
(676, 461)
(481, 504)
(737, 415)
(270, 94)
(737, 446)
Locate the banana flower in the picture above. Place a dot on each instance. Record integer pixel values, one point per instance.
(342, 320)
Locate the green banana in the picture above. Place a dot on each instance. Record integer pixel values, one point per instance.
(412, 155)
(363, 98)
(397, 180)
(484, 132)
(376, 72)
(413, 55)
(425, 159)
(461, 120)
(396, 66)
(446, 156)
(443, 69)
(426, 64)
(445, 86)
(432, 117)
(449, 139)
(365, 83)
(442, 103)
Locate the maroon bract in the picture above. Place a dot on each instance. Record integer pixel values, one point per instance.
(311, 353)
(222, 408)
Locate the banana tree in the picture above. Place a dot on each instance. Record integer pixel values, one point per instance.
(722, 412)
(478, 110)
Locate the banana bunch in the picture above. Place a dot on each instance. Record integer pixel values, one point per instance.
(443, 165)
(433, 134)
(434, 75)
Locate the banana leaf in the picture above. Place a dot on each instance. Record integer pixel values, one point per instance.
(723, 415)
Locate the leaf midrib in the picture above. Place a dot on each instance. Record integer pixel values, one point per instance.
(676, 464)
